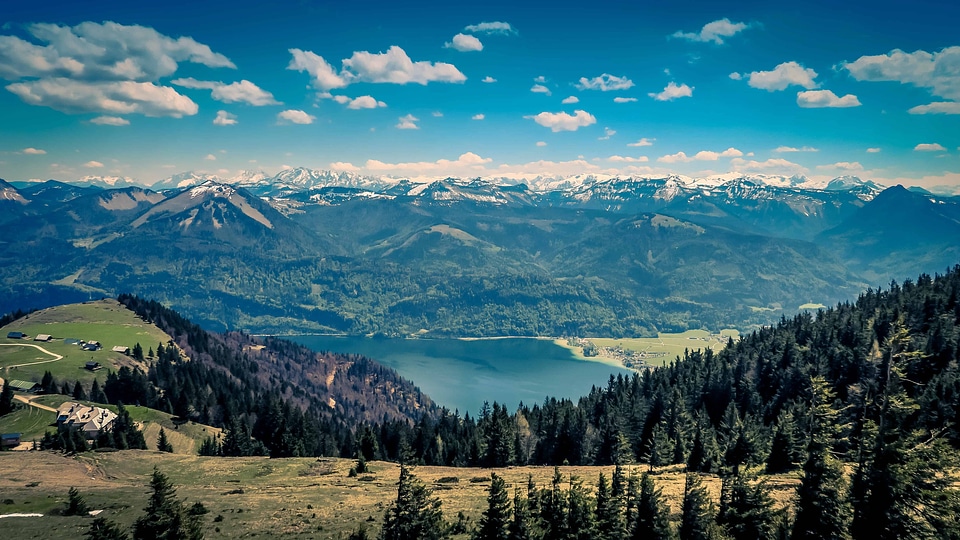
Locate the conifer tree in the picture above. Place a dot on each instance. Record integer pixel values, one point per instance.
(103, 529)
(166, 517)
(163, 445)
(553, 509)
(416, 513)
(652, 522)
(78, 392)
(496, 518)
(580, 522)
(521, 526)
(746, 509)
(608, 513)
(697, 520)
(76, 504)
(6, 398)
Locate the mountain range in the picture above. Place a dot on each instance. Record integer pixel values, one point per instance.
(309, 250)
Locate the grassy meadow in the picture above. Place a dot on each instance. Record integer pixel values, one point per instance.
(666, 347)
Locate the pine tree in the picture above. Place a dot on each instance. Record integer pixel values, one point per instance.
(103, 529)
(652, 522)
(166, 517)
(78, 392)
(521, 526)
(822, 508)
(609, 518)
(96, 393)
(580, 522)
(746, 509)
(6, 398)
(697, 520)
(553, 509)
(76, 504)
(163, 445)
(783, 451)
(415, 513)
(496, 518)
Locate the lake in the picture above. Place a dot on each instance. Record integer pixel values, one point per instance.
(462, 374)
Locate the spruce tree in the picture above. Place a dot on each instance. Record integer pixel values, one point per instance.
(652, 522)
(609, 518)
(522, 526)
(163, 445)
(496, 518)
(416, 513)
(96, 393)
(697, 520)
(553, 509)
(76, 504)
(103, 529)
(78, 392)
(6, 398)
(746, 509)
(580, 521)
(166, 517)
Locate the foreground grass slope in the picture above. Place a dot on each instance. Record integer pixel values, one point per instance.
(262, 497)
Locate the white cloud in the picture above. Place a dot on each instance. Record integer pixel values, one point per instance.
(736, 76)
(562, 121)
(679, 157)
(642, 142)
(210, 157)
(818, 99)
(110, 121)
(294, 116)
(437, 114)
(707, 155)
(478, 117)
(93, 164)
(34, 151)
(540, 79)
(541, 143)
(540, 89)
(714, 31)
(464, 43)
(770, 166)
(491, 28)
(324, 77)
(784, 149)
(782, 76)
(365, 102)
(929, 147)
(624, 99)
(343, 100)
(101, 52)
(873, 150)
(938, 107)
(938, 72)
(672, 91)
(238, 92)
(628, 159)
(843, 166)
(570, 99)
(604, 83)
(607, 133)
(466, 164)
(225, 119)
(488, 79)
(343, 166)
(112, 97)
(408, 122)
(392, 66)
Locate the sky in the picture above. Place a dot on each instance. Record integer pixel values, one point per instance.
(514, 89)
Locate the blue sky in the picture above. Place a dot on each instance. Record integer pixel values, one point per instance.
(430, 89)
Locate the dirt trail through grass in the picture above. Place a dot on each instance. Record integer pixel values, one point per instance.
(39, 348)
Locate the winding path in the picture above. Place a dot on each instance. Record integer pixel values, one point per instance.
(39, 348)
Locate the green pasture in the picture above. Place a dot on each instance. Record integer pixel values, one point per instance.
(666, 347)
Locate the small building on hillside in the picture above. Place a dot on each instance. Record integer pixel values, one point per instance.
(90, 345)
(9, 440)
(91, 420)
(24, 386)
(43, 337)
(121, 349)
(16, 335)
(92, 366)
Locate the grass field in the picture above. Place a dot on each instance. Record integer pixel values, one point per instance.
(262, 497)
(666, 347)
(105, 321)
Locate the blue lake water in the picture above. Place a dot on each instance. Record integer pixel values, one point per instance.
(461, 375)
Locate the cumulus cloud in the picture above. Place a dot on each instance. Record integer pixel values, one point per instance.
(672, 91)
(818, 99)
(570, 99)
(607, 133)
(782, 76)
(873, 150)
(541, 143)
(642, 142)
(679, 157)
(540, 89)
(93, 164)
(210, 157)
(224, 119)
(466, 164)
(364, 102)
(604, 83)
(480, 116)
(343, 166)
(736, 76)
(938, 107)
(624, 99)
(843, 166)
(491, 28)
(112, 97)
(707, 155)
(110, 121)
(238, 92)
(392, 66)
(294, 116)
(464, 43)
(488, 79)
(563, 121)
(34, 151)
(773, 165)
(937, 72)
(628, 159)
(408, 122)
(784, 149)
(929, 147)
(714, 31)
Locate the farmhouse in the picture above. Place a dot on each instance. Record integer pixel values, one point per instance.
(24, 386)
(92, 366)
(43, 337)
(121, 349)
(91, 346)
(88, 419)
(16, 335)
